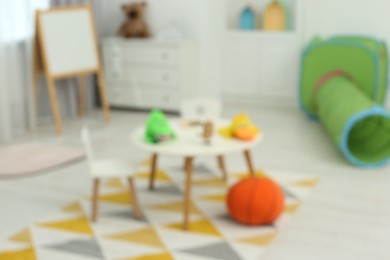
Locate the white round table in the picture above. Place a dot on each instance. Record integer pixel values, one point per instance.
(190, 144)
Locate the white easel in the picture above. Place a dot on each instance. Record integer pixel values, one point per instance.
(66, 46)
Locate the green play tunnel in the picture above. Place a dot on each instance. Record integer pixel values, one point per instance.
(357, 125)
(344, 84)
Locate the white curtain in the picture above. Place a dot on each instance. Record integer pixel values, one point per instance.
(17, 113)
(16, 30)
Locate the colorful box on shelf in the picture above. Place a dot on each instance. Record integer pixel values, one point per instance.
(275, 17)
(248, 19)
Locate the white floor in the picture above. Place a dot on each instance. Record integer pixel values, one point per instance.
(347, 216)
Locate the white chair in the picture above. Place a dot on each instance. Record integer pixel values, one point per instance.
(204, 109)
(108, 168)
(201, 109)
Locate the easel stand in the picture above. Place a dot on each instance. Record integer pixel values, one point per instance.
(44, 61)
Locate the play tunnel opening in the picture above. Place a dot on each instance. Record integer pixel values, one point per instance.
(369, 139)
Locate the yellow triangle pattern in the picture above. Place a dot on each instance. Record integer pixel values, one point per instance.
(202, 226)
(77, 225)
(145, 236)
(23, 236)
(213, 182)
(262, 240)
(146, 162)
(176, 207)
(26, 254)
(243, 175)
(160, 176)
(163, 256)
(215, 198)
(292, 208)
(73, 208)
(309, 183)
(114, 183)
(119, 198)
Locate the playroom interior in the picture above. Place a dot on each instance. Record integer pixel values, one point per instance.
(194, 129)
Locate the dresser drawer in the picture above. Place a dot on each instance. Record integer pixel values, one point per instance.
(154, 98)
(157, 56)
(154, 76)
(148, 73)
(112, 53)
(137, 77)
(113, 72)
(121, 96)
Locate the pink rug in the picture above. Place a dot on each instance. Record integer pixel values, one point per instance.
(24, 159)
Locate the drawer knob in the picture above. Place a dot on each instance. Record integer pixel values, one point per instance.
(165, 56)
(165, 77)
(115, 74)
(115, 52)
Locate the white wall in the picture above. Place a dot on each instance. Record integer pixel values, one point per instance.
(201, 19)
(328, 17)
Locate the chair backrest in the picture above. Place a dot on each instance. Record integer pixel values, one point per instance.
(86, 139)
(201, 109)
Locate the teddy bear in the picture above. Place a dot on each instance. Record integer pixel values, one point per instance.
(135, 25)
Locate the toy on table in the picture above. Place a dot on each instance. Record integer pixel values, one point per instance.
(158, 128)
(208, 129)
(255, 201)
(241, 128)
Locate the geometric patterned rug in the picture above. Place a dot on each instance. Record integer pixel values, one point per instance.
(68, 233)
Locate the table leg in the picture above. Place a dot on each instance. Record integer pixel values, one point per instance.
(185, 164)
(221, 163)
(249, 162)
(187, 196)
(153, 171)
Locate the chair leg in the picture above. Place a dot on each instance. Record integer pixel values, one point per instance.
(222, 167)
(95, 199)
(133, 195)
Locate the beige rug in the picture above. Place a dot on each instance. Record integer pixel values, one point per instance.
(25, 159)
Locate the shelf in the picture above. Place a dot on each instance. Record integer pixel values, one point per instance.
(261, 35)
(260, 32)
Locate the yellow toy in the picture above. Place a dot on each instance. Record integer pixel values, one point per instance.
(241, 128)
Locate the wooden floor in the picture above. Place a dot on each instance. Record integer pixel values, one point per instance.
(346, 217)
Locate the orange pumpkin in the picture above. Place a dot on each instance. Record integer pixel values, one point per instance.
(255, 201)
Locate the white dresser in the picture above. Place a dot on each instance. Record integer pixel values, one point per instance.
(146, 74)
